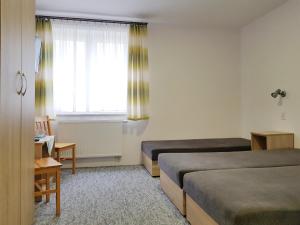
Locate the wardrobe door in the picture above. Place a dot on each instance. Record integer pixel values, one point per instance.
(10, 112)
(27, 128)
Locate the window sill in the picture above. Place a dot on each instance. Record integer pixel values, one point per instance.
(108, 117)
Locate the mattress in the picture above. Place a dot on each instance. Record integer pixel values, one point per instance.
(176, 165)
(257, 196)
(153, 148)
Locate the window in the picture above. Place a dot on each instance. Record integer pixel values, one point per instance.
(90, 64)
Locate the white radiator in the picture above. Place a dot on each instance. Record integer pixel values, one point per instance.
(93, 138)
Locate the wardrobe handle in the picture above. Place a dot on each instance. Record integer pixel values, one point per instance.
(24, 79)
(19, 82)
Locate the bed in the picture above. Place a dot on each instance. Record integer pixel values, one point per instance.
(174, 166)
(151, 149)
(247, 196)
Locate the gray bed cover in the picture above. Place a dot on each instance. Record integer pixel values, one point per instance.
(153, 148)
(257, 196)
(176, 165)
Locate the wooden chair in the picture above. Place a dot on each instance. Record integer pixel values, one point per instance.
(42, 126)
(43, 169)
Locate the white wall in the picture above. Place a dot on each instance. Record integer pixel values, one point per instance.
(271, 60)
(194, 89)
(195, 83)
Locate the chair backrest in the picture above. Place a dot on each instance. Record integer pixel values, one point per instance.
(42, 125)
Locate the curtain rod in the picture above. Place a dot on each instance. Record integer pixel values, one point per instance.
(90, 20)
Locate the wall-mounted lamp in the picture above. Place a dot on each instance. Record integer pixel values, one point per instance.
(278, 92)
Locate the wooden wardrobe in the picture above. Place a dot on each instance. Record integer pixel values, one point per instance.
(17, 111)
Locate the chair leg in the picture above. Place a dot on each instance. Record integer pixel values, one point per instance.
(73, 159)
(58, 192)
(39, 198)
(58, 156)
(47, 187)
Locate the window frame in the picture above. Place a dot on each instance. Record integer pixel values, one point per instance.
(101, 114)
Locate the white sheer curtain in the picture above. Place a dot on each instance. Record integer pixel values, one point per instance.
(90, 66)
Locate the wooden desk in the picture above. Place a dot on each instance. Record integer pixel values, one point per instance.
(48, 167)
(38, 147)
(41, 149)
(269, 140)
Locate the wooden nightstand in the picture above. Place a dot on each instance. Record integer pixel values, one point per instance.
(269, 140)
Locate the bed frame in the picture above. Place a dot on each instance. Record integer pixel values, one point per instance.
(151, 166)
(174, 192)
(196, 215)
(184, 203)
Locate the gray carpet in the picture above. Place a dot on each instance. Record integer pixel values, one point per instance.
(110, 196)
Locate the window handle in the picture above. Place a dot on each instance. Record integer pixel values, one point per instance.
(19, 83)
(24, 79)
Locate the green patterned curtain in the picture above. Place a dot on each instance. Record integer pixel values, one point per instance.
(138, 83)
(44, 76)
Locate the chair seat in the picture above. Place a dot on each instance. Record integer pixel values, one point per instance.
(46, 163)
(59, 146)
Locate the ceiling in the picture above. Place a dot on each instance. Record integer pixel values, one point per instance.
(204, 13)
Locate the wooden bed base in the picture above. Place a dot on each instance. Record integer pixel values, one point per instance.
(173, 191)
(196, 215)
(184, 203)
(151, 166)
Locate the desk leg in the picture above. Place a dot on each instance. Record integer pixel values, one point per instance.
(47, 175)
(58, 192)
(73, 159)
